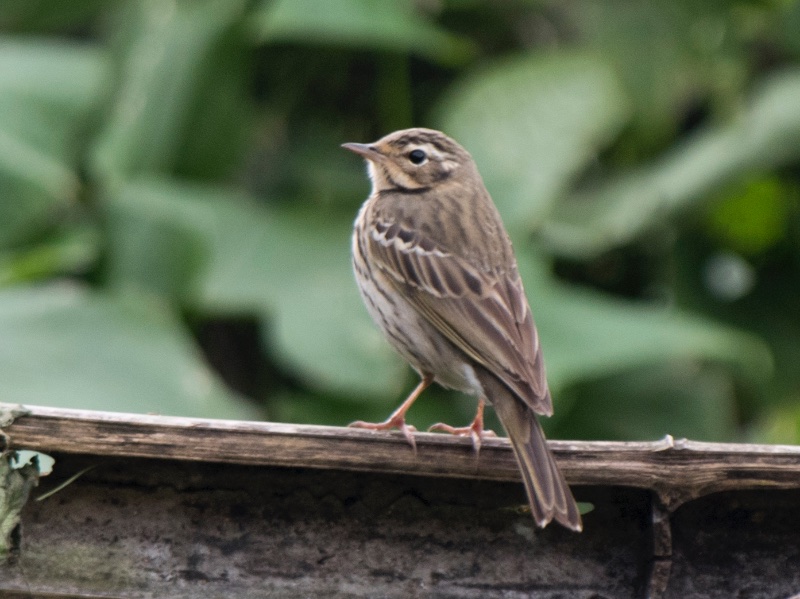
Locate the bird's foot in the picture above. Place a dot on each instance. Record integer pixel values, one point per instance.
(394, 421)
(474, 431)
(398, 418)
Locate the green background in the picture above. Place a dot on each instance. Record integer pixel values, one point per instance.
(175, 208)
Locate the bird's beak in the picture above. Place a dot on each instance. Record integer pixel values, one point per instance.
(367, 151)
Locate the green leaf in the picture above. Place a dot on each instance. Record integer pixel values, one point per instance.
(47, 92)
(290, 267)
(781, 424)
(678, 397)
(753, 216)
(669, 56)
(765, 136)
(587, 335)
(164, 59)
(220, 119)
(766, 305)
(58, 76)
(532, 124)
(369, 24)
(788, 25)
(72, 251)
(66, 347)
(24, 15)
(153, 249)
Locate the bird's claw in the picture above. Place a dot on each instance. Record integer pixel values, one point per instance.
(474, 431)
(397, 422)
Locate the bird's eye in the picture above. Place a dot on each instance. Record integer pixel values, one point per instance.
(417, 156)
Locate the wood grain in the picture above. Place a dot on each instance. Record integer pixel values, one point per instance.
(153, 507)
(677, 470)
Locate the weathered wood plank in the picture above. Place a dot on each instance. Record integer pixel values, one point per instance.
(677, 470)
(185, 507)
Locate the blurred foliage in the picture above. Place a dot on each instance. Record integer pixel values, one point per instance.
(176, 210)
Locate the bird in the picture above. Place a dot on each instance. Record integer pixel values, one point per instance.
(437, 272)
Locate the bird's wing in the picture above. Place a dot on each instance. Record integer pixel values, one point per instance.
(486, 315)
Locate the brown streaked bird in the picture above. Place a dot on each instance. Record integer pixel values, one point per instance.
(437, 273)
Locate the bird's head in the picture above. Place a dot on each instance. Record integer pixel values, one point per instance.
(412, 159)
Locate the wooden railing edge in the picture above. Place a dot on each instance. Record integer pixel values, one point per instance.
(678, 470)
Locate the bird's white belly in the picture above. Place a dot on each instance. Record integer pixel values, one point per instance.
(416, 340)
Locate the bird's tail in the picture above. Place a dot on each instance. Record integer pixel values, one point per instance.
(548, 493)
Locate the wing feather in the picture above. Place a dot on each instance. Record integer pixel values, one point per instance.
(485, 314)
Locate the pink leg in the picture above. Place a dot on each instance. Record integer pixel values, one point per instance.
(475, 430)
(398, 417)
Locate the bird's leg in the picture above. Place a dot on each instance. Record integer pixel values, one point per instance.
(398, 418)
(474, 431)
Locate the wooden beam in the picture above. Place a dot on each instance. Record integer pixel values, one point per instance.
(677, 470)
(303, 511)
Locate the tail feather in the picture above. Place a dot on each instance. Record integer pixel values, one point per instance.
(548, 493)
